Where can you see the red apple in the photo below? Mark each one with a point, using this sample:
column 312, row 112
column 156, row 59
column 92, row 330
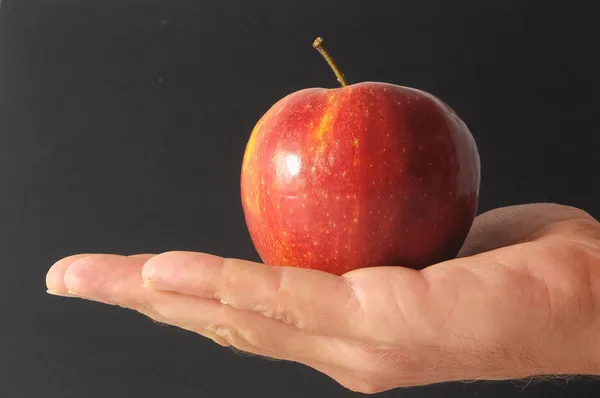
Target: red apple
column 369, row 174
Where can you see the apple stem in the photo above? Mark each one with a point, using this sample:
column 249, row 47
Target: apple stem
column 318, row 45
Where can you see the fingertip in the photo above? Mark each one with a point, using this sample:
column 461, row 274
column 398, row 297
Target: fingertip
column 56, row 274
column 75, row 274
column 89, row 272
column 149, row 270
column 160, row 267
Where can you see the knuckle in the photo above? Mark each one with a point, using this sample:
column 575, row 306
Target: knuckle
column 281, row 313
column 214, row 337
column 263, row 309
column 208, row 333
column 289, row 316
column 233, row 337
column 573, row 281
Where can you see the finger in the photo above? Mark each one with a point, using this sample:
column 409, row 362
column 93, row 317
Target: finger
column 310, row 300
column 117, row 279
column 56, row 286
column 55, row 275
column 160, row 319
column 510, row 225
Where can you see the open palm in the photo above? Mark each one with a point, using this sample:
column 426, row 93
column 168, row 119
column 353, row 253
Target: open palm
column 521, row 299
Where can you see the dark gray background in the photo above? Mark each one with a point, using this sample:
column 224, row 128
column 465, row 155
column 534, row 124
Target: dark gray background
column 123, row 124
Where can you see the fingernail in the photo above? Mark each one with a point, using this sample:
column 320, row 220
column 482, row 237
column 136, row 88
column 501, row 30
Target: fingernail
column 223, row 331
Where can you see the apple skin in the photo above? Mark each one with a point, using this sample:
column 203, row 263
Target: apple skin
column 370, row 174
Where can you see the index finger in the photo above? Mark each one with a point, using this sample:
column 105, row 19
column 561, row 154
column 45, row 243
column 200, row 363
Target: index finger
column 311, row 300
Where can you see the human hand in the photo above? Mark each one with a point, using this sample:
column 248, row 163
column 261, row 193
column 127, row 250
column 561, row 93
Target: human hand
column 522, row 299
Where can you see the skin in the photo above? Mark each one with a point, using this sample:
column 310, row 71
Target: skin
column 522, row 299
column 365, row 175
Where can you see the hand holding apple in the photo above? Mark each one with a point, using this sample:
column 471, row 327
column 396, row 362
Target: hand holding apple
column 364, row 175
column 520, row 304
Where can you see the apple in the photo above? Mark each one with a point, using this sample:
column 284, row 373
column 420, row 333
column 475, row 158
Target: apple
column 368, row 174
